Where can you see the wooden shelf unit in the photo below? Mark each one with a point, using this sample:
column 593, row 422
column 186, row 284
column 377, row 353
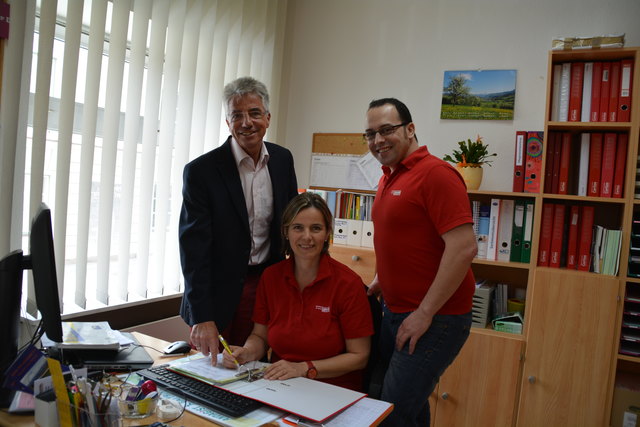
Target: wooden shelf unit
column 572, row 318
column 573, row 325
column 562, row 369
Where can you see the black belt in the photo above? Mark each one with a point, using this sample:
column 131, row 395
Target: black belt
column 256, row 269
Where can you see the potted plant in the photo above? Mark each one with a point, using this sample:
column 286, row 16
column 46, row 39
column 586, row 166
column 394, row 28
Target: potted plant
column 469, row 160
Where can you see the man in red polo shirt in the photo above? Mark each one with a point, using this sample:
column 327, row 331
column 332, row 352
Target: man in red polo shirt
column 424, row 246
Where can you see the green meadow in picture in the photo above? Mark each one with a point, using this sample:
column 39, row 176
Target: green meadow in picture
column 478, row 95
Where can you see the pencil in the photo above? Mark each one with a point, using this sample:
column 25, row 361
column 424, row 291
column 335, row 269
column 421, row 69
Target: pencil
column 226, row 347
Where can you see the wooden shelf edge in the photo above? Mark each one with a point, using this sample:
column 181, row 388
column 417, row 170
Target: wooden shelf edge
column 611, row 126
column 503, row 193
column 581, row 273
column 490, row 332
column 599, row 54
column 520, row 265
column 628, row 358
column 586, row 199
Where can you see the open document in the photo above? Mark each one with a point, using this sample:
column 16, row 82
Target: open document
column 311, row 399
column 199, row 367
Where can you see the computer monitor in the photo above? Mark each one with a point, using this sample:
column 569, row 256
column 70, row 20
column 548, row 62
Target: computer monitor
column 10, row 295
column 45, row 280
column 41, row 261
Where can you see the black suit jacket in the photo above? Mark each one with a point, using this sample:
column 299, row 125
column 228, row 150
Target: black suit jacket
column 215, row 241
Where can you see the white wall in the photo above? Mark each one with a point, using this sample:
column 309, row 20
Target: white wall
column 341, row 54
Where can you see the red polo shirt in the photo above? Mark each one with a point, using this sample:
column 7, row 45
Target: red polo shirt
column 422, row 199
column 313, row 324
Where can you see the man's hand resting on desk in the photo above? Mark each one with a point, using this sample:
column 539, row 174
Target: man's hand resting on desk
column 204, row 336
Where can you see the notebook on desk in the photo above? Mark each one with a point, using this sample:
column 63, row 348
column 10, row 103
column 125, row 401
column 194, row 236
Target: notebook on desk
column 132, row 357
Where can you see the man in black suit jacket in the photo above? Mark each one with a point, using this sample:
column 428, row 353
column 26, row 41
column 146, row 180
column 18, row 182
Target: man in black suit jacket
column 233, row 199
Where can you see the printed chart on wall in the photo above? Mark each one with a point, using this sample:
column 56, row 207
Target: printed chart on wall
column 345, row 171
column 343, row 161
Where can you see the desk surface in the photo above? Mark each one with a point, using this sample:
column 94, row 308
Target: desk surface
column 187, row 419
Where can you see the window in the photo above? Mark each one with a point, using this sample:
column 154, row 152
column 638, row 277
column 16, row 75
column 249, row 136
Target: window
column 121, row 96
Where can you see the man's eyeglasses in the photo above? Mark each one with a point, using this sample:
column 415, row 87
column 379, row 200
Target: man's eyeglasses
column 386, row 130
column 253, row 115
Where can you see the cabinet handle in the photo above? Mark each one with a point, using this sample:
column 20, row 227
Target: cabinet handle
column 532, row 379
column 445, row 395
column 355, row 258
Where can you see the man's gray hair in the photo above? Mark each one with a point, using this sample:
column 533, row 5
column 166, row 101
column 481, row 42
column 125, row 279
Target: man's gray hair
column 245, row 86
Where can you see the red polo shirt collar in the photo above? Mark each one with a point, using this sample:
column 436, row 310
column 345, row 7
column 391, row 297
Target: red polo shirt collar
column 324, row 270
column 409, row 161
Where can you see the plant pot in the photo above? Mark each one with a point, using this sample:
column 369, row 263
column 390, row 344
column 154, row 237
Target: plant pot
column 472, row 176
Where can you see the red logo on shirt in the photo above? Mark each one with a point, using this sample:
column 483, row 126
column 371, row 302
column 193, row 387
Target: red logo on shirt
column 323, row 309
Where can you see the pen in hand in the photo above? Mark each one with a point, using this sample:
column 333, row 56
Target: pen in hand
column 226, row 347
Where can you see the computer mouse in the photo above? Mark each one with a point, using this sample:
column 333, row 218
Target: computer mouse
column 177, row 347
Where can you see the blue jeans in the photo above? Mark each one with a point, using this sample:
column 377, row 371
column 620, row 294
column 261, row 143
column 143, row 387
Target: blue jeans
column 411, row 378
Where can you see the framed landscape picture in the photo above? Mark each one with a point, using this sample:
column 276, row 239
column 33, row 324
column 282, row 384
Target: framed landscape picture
column 478, row 95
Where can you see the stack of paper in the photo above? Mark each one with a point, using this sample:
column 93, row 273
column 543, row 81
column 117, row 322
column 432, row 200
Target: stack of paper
column 85, row 336
column 482, row 304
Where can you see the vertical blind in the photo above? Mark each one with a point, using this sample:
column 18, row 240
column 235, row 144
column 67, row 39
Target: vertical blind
column 103, row 104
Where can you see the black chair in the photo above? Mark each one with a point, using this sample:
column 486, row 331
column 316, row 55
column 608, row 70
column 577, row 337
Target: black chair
column 374, row 371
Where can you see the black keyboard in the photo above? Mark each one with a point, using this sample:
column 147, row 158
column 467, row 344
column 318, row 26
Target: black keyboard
column 216, row 398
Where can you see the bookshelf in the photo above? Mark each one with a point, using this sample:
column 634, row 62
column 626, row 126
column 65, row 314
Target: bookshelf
column 562, row 368
column 573, row 322
column 574, row 318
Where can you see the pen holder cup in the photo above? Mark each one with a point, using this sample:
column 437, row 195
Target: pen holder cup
column 111, row 418
column 140, row 408
column 84, row 418
column 46, row 414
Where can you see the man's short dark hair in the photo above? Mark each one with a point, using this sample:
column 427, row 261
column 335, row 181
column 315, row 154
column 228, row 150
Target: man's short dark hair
column 401, row 108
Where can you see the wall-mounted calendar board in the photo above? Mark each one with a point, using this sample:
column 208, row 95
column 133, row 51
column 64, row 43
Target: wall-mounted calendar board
column 342, row 161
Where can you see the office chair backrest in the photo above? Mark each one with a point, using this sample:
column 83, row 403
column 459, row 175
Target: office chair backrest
column 374, row 371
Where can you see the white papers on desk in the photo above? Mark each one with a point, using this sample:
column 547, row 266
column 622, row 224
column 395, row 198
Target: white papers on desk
column 364, row 412
column 345, row 171
column 85, row 336
column 255, row 418
column 310, row 399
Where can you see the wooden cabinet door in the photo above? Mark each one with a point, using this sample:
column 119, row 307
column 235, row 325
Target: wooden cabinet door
column 570, row 346
column 480, row 387
column 361, row 260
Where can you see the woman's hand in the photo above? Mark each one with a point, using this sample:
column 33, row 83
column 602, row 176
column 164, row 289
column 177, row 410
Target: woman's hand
column 240, row 354
column 282, row 370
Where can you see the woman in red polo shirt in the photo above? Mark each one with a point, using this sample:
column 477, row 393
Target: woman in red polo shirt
column 311, row 310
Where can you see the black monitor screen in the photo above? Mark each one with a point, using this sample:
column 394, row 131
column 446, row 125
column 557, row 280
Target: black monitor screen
column 42, row 262
column 43, row 265
column 10, row 293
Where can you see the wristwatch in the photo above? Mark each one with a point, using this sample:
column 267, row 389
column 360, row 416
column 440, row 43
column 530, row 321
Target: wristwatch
column 312, row 372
